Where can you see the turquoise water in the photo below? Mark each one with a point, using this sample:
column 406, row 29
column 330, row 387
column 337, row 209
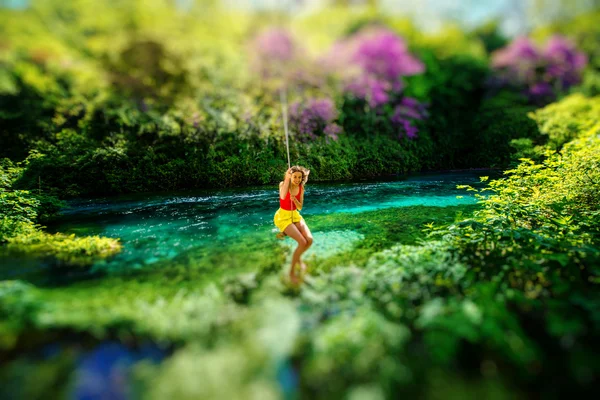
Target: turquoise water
column 207, row 231
column 159, row 227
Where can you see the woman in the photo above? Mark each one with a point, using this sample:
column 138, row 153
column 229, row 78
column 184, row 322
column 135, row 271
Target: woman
column 288, row 219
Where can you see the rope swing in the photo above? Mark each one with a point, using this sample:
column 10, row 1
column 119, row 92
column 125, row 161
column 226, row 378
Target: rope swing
column 283, row 100
column 283, row 93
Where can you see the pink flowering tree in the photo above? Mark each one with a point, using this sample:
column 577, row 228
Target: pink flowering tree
column 315, row 117
column 286, row 69
column 541, row 73
column 273, row 52
column 406, row 112
column 280, row 60
column 373, row 64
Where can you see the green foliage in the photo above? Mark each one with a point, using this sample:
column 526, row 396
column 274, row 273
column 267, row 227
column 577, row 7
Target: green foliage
column 18, row 208
column 542, row 218
column 19, row 305
column 22, row 210
column 451, row 41
column 243, row 362
column 195, row 372
column 74, row 166
column 66, row 249
column 383, row 229
column 536, row 238
column 501, row 125
column 38, row 378
column 452, row 87
column 490, row 36
column 148, row 101
column 349, row 349
column 563, row 121
column 508, row 294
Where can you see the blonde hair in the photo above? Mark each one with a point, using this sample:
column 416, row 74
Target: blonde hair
column 298, row 168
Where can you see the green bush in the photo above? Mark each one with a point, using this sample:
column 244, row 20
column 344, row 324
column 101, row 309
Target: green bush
column 536, row 240
column 20, row 213
column 19, row 305
column 564, row 121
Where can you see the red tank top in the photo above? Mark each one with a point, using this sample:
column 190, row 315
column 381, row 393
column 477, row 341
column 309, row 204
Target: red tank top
column 287, row 202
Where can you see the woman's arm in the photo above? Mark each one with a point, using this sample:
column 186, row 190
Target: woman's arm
column 299, row 203
column 285, row 185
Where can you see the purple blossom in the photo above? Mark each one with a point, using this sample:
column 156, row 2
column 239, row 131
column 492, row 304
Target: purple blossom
column 336, row 58
column 378, row 59
column 281, row 61
column 275, row 45
column 540, row 92
column 410, row 102
column 411, row 108
column 383, row 54
column 405, row 113
column 406, row 128
column 378, row 95
column 561, row 51
column 362, row 86
column 521, row 50
column 564, row 62
column 373, row 62
column 274, row 52
column 539, row 73
column 322, row 108
column 332, row 130
column 409, row 130
column 294, row 110
column 518, row 61
column 367, row 87
column 317, row 115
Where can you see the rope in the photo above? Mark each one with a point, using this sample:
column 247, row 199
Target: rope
column 284, row 107
column 283, row 100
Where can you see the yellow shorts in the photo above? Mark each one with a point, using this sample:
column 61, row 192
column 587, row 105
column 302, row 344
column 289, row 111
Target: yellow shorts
column 283, row 218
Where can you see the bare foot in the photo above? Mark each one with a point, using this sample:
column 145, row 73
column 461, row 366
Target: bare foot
column 303, row 268
column 294, row 279
column 296, row 273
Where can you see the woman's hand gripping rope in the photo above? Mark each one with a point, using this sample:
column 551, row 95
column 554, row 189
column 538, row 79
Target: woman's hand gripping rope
column 296, row 202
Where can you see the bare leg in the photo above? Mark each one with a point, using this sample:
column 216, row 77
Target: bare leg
column 293, row 232
column 303, row 228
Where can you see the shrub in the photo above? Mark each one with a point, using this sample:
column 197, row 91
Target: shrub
column 541, row 74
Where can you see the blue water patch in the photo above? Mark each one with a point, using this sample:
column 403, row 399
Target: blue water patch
column 287, row 377
column 105, row 371
column 434, row 201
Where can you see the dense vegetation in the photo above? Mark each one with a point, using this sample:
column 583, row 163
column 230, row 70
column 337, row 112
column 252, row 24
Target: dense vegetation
column 501, row 302
column 21, row 211
column 153, row 108
column 498, row 300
